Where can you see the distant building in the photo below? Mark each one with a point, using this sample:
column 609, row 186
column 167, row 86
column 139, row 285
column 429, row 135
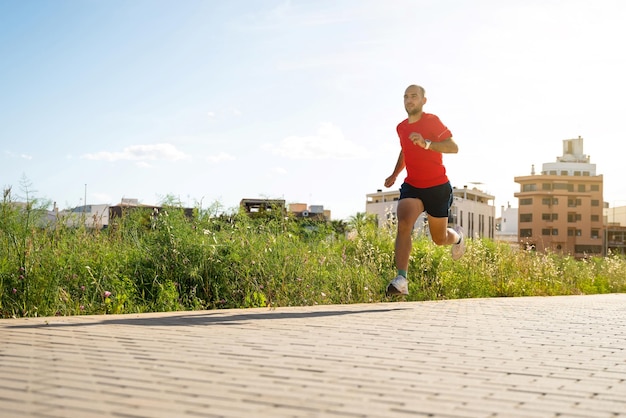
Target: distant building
column 615, row 242
column 615, row 215
column 313, row 212
column 99, row 216
column 561, row 209
column 506, row 225
column 260, row 207
column 383, row 205
column 256, row 207
column 43, row 217
column 92, row 216
column 472, row 209
column 615, row 221
column 128, row 205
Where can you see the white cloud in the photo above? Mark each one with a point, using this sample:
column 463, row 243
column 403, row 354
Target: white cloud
column 219, row 157
column 14, row 155
column 152, row 152
column 328, row 143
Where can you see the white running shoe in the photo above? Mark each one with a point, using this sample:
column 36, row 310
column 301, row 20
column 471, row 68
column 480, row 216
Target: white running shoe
column 458, row 250
column 398, row 286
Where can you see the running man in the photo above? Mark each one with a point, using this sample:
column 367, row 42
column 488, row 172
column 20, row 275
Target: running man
column 423, row 140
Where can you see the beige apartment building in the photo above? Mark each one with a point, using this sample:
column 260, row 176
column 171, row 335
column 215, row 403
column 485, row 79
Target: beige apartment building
column 561, row 209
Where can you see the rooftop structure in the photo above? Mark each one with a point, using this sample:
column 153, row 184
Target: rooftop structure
column 560, row 210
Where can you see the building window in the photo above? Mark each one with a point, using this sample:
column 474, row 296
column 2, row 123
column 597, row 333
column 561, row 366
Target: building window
column 595, row 233
column 525, row 233
column 573, row 232
column 577, row 173
column 481, row 225
column 573, row 217
column 526, row 217
column 549, row 216
column 581, row 188
column 546, row 186
column 595, row 218
column 549, row 201
column 595, row 188
column 588, row 249
column 545, row 231
column 526, row 201
column 563, row 186
column 595, row 202
column 572, row 203
column 529, row 187
column 82, row 209
column 555, row 231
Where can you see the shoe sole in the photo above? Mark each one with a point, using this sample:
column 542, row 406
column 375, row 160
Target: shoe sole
column 393, row 291
column 459, row 230
column 456, row 257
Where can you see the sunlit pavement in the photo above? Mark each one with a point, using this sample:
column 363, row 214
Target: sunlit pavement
column 508, row 357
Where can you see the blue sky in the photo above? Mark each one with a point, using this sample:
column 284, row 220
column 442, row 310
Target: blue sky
column 215, row 101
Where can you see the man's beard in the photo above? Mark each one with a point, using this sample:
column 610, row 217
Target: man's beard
column 415, row 110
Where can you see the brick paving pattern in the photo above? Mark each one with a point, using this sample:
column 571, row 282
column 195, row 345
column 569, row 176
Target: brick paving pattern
column 509, row 357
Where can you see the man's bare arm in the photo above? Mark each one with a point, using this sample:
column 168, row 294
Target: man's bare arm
column 447, row 146
column 389, row 181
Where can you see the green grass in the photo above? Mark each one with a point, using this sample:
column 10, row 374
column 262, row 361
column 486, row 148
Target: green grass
column 147, row 262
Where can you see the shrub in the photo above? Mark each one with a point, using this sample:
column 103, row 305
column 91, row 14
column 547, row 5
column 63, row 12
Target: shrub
column 166, row 260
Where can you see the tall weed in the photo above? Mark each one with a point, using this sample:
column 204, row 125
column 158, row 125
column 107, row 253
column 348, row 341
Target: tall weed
column 166, row 260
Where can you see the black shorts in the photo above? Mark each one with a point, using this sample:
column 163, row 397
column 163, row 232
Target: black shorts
column 437, row 200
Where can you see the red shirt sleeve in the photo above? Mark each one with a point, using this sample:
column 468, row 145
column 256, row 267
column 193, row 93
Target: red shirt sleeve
column 439, row 131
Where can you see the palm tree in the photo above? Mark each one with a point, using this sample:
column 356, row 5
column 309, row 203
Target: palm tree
column 360, row 221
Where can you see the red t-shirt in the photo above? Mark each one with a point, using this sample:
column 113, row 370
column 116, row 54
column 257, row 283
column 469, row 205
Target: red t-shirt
column 424, row 168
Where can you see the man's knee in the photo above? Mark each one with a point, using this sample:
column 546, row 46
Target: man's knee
column 439, row 234
column 405, row 227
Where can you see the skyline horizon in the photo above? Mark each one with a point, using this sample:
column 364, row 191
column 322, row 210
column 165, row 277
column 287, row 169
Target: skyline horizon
column 295, row 202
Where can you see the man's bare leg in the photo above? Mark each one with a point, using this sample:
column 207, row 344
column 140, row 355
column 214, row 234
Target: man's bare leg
column 409, row 210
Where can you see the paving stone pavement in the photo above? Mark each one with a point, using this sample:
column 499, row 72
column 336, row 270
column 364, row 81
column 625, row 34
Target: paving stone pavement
column 508, row 357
